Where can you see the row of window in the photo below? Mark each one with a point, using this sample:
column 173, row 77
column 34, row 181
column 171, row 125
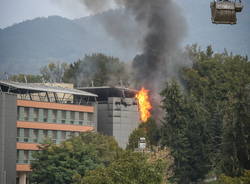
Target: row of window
column 53, row 116
column 24, row 156
column 37, row 136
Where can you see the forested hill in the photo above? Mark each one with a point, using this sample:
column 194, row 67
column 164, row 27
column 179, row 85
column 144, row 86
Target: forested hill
column 27, row 46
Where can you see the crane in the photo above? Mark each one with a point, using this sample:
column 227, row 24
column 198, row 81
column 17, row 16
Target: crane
column 224, row 11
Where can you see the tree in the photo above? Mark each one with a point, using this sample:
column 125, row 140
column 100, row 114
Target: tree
column 97, row 69
column 236, row 135
column 26, row 78
column 213, row 79
column 73, row 158
column 129, row 168
column 244, row 179
column 54, row 72
column 183, row 131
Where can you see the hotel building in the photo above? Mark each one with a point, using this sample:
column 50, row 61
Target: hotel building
column 30, row 113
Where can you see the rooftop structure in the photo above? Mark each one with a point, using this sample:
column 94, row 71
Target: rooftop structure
column 46, row 93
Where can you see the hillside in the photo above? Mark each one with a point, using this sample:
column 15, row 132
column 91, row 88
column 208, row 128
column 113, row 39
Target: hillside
column 26, row 46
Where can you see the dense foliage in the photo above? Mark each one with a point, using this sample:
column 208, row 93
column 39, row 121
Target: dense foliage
column 73, row 158
column 129, row 168
column 92, row 158
column 207, row 124
column 184, row 132
column 97, row 69
column 244, row 179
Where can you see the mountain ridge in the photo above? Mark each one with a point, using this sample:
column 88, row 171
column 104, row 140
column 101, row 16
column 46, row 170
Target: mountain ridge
column 28, row 45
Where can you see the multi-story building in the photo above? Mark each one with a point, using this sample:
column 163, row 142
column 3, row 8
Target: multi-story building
column 118, row 113
column 38, row 112
column 7, row 138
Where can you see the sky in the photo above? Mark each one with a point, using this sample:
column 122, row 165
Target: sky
column 16, row 11
column 196, row 12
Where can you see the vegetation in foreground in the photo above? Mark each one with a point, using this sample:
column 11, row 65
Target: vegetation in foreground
column 93, row 158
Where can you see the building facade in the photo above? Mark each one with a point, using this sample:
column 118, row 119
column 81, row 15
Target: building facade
column 42, row 112
column 7, row 138
column 118, row 113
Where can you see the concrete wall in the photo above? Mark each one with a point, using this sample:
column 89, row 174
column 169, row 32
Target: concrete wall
column 118, row 117
column 8, row 118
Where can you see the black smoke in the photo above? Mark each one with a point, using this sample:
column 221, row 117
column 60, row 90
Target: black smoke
column 159, row 30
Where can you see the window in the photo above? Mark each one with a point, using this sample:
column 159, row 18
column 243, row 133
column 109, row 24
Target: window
column 26, row 113
column 54, row 115
column 80, row 123
column 36, row 112
column 26, row 135
column 26, row 156
column 45, row 115
column 90, row 117
column 63, row 135
column 72, row 115
column 45, row 133
column 17, row 156
column 81, row 116
column 54, row 134
column 64, row 115
column 18, row 113
column 18, row 132
column 35, row 132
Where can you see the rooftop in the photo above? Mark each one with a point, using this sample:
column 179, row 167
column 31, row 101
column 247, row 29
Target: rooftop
column 104, row 92
column 24, row 88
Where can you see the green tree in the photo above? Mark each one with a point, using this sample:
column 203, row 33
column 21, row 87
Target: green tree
column 129, row 168
column 244, row 179
column 68, row 161
column 54, row 72
column 236, row 135
column 212, row 79
column 27, row 78
column 183, row 131
column 98, row 69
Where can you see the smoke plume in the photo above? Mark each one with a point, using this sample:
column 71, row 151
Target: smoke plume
column 159, row 30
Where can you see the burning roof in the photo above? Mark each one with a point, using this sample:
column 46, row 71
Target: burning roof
column 104, row 92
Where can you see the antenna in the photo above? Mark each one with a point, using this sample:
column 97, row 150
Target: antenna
column 25, row 79
column 6, row 75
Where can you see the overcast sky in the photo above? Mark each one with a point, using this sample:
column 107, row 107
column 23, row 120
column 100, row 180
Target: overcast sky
column 197, row 14
column 15, row 11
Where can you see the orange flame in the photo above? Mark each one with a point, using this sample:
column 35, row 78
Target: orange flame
column 144, row 104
